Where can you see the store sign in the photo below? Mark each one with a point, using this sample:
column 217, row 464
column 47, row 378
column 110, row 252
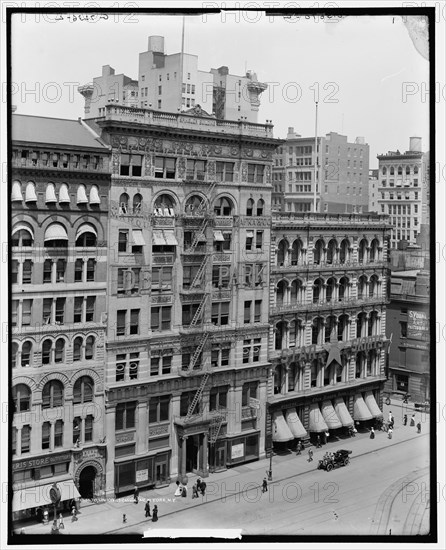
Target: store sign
column 417, row 325
column 238, row 451
column 39, row 462
column 142, row 475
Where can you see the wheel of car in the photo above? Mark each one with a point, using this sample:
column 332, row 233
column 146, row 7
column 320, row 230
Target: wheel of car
column 346, row 461
column 329, row 467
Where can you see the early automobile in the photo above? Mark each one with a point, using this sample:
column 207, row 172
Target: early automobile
column 331, row 460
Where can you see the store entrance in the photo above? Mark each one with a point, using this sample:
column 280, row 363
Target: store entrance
column 192, row 451
column 87, row 481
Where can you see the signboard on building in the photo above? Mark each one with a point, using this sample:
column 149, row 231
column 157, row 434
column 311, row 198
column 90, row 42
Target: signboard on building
column 238, row 451
column 418, row 325
column 142, row 475
column 41, row 461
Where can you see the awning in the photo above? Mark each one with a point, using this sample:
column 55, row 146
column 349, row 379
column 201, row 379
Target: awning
column 360, row 410
column 218, row 236
column 30, row 193
column 330, row 416
column 342, row 412
column 158, row 238
column 63, row 194
column 86, row 228
column 170, row 238
column 94, row 195
column 317, row 423
column 250, row 233
column 138, row 239
column 50, row 193
column 20, row 227
column 56, row 232
column 281, row 432
column 372, row 405
column 16, row 191
column 81, row 195
column 39, row 495
column 294, row 424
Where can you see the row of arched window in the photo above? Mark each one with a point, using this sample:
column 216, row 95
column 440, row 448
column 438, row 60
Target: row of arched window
column 330, row 290
column 53, row 394
column 53, row 351
column 399, row 170
column 56, row 193
column 55, row 235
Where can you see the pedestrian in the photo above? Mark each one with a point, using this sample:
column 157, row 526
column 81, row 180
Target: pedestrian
column 194, row 490
column 73, row 514
column 389, row 433
column 392, row 421
column 199, row 485
column 136, row 495
column 419, row 427
column 54, row 528
column 327, row 435
column 372, row 433
column 318, row 441
column 390, row 417
column 310, row 455
column 405, row 420
column 147, row 509
column 412, row 420
column 61, row 523
column 299, row 448
column 155, row 513
column 124, row 518
column 264, row 485
column 184, row 491
column 203, row 487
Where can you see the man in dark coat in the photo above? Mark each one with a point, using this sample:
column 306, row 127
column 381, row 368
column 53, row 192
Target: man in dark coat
column 203, row 487
column 147, row 509
column 136, row 495
column 155, row 513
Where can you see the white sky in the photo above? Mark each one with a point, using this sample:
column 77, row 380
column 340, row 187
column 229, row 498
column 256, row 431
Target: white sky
column 368, row 60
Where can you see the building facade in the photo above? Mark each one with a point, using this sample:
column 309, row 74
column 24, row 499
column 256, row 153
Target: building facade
column 403, row 191
column 173, row 83
column 59, row 207
column 187, row 337
column 409, row 328
column 328, row 289
column 373, row 190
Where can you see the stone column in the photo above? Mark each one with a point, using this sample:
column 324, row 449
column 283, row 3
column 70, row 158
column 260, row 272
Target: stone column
column 175, row 442
column 205, row 464
column 182, row 468
column 142, row 436
column 52, row 429
column 110, row 415
column 18, row 450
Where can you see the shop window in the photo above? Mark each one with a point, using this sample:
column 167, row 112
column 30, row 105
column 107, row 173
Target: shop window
column 402, row 382
column 24, row 475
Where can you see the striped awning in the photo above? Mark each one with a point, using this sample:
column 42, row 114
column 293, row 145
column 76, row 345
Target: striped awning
column 342, row 412
column 360, row 409
column 372, row 405
column 330, row 416
column 281, row 432
column 317, row 423
column 39, row 495
column 294, row 423
column 55, row 232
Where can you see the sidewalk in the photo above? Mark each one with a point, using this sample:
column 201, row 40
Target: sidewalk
column 105, row 517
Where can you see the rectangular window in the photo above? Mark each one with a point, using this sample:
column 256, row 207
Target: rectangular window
column 60, row 310
column 123, row 239
column 27, row 272
column 131, row 165
column 247, row 312
column 14, row 312
column 26, row 439
column 26, row 312
column 196, row 169
column 120, row 322
column 160, row 318
column 88, row 428
column 134, row 321
column 225, row 171
column 58, row 433
column 162, row 279
column 46, row 312
column 78, row 303
column 220, row 276
column 159, row 409
column 165, row 167
column 91, row 268
column 78, row 272
column 259, row 240
column 125, row 415
column 218, row 398
column 220, row 313
column 89, row 310
column 188, row 313
column 257, row 311
column 255, row 173
column 121, row 362
column 220, row 354
column 46, row 433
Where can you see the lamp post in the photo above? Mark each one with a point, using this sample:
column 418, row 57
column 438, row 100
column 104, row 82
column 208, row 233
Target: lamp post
column 270, row 471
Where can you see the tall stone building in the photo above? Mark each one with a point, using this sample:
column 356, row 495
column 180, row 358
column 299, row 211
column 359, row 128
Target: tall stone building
column 189, row 250
column 59, row 234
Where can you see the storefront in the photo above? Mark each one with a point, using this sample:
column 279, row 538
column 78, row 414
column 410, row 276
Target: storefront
column 243, row 448
column 89, row 471
column 147, row 472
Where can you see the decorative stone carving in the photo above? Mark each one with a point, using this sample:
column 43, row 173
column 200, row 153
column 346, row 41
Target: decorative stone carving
column 158, row 430
column 244, row 170
column 123, row 438
column 181, row 167
column 268, row 174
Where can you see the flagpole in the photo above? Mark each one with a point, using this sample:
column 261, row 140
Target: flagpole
column 181, row 64
column 315, row 163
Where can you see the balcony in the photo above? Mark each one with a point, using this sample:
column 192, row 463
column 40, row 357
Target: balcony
column 121, row 113
column 339, row 304
column 39, row 164
column 316, row 218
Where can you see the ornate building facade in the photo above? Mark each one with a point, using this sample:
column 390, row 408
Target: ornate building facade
column 187, row 343
column 59, row 227
column 328, row 290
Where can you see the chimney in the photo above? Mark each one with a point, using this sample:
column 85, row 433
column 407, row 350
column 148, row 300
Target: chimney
column 156, row 44
column 415, row 144
column 107, row 70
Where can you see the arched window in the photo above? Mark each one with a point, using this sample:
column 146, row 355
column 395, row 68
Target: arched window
column 330, row 327
column 362, row 286
column 362, row 251
column 165, row 205
column 384, row 170
column 297, row 252
column 27, row 348
column 30, row 192
column 280, row 292
column 137, row 203
column 81, row 195
column 392, row 170
column 317, row 291
column 52, row 394
column 14, row 354
column 124, row 203
column 415, row 170
column 260, row 207
column 86, row 235
column 83, row 390
column 16, row 195
column 89, row 348
column 94, row 196
column 316, row 331
column 318, row 252
column 344, row 251
column 373, row 286
column 250, row 207
column 282, row 252
column 46, row 352
column 297, row 292
column 374, row 250
column 22, row 235
column 342, row 328
column 361, row 320
column 77, row 348
column 407, row 170
column 330, row 289
column 56, row 236
column 223, row 207
column 278, row 377
column 400, row 170
column 194, row 205
column 21, row 395
column 332, row 251
column 293, row 371
column 59, row 352
column 343, row 289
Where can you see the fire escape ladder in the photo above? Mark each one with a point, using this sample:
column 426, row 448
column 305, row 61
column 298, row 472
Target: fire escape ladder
column 200, row 273
column 199, row 311
column 197, row 397
column 214, row 428
column 198, row 351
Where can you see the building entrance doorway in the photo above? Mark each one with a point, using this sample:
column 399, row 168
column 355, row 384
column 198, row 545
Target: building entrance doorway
column 87, row 482
column 192, row 451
